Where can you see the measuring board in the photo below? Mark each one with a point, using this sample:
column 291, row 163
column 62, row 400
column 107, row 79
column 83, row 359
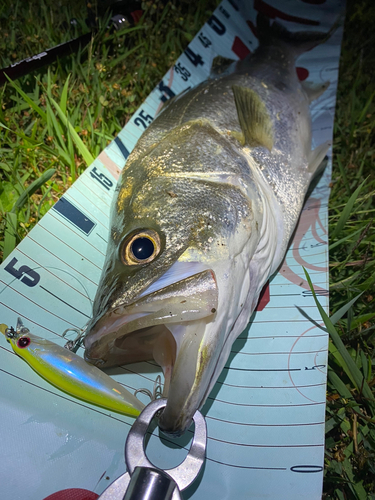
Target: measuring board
column 265, row 415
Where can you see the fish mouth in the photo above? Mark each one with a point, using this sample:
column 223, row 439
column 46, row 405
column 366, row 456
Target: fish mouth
column 166, row 325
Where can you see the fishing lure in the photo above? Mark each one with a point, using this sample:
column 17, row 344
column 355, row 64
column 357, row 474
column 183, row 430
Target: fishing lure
column 70, row 373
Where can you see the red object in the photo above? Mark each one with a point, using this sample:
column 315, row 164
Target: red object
column 271, row 12
column 136, row 15
column 239, row 48
column 264, row 297
column 73, row 494
column 302, row 73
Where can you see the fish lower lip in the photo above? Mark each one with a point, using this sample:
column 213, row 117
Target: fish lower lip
column 176, row 348
column 167, row 326
column 159, row 343
column 190, row 299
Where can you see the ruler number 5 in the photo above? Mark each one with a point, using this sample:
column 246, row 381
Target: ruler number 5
column 27, row 275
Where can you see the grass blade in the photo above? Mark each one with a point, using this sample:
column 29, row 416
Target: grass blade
column 64, row 96
column 341, row 362
column 116, row 61
column 31, row 103
column 57, row 130
column 339, row 385
column 346, row 212
column 356, row 374
column 340, row 495
column 86, row 155
column 349, row 236
column 34, row 186
column 340, row 313
column 365, row 108
column 10, row 234
column 345, row 283
column 311, row 319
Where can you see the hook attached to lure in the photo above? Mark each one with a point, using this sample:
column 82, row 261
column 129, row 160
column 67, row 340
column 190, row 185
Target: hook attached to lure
column 75, row 344
column 70, row 373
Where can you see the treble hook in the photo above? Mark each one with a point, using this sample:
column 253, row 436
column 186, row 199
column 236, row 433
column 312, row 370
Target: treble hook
column 76, row 343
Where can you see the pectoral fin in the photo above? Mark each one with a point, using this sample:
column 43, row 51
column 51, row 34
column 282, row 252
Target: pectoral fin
column 316, row 158
column 313, row 91
column 254, row 118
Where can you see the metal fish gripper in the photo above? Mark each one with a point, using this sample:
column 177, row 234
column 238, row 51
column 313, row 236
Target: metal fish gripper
column 145, row 481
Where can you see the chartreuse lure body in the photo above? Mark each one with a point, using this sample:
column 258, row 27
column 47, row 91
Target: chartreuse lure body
column 70, row 373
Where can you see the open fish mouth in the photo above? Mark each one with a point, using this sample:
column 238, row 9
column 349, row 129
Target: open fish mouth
column 166, row 325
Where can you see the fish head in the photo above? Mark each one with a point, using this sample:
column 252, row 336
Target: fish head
column 179, row 227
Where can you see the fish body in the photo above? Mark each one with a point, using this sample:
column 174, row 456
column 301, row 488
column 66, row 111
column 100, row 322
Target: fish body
column 202, row 217
column 72, row 374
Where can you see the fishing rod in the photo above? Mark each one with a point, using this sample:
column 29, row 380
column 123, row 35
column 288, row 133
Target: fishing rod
column 122, row 13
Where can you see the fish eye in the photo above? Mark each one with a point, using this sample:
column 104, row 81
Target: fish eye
column 23, row 342
column 141, row 247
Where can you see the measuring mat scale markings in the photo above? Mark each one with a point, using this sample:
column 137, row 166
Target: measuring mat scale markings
column 265, row 415
column 70, row 212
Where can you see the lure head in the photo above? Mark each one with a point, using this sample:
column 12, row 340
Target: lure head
column 19, row 338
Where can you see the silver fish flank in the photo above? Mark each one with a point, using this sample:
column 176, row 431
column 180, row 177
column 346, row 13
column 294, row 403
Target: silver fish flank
column 202, row 217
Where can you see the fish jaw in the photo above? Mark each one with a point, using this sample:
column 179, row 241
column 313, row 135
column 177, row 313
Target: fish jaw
column 147, row 329
column 191, row 353
column 205, row 345
column 192, row 375
column 187, row 351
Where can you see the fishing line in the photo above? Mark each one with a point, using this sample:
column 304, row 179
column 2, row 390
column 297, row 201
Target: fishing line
column 86, row 293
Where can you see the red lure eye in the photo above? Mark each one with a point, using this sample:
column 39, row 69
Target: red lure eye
column 23, row 342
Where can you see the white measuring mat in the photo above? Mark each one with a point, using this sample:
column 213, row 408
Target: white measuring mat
column 265, row 415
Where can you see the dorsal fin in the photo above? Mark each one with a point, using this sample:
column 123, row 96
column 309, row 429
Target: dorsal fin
column 313, row 91
column 316, row 158
column 254, row 118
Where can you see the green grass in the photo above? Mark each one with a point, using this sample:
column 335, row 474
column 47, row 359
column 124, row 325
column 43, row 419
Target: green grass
column 350, row 429
column 41, row 129
column 55, row 121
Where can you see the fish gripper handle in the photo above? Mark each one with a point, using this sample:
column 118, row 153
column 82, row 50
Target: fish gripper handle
column 151, row 484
